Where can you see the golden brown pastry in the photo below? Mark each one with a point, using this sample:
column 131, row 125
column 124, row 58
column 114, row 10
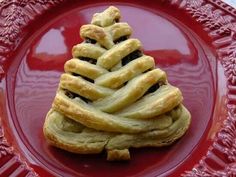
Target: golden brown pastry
column 111, row 97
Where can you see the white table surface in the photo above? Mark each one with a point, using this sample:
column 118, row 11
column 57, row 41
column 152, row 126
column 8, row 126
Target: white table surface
column 231, row 2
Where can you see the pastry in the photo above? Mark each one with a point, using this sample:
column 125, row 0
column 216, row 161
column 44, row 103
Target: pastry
column 111, row 97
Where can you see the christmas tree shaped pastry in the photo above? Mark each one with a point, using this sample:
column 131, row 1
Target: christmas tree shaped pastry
column 111, row 97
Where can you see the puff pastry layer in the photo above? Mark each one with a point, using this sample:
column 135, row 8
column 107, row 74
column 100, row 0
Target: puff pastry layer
column 111, row 97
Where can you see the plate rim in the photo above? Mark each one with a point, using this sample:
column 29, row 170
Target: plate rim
column 217, row 19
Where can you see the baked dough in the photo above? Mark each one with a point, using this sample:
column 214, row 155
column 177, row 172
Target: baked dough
column 111, row 97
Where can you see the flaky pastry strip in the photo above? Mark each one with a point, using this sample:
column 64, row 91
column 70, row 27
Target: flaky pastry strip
column 155, row 138
column 116, row 78
column 153, row 104
column 113, row 56
column 107, row 17
column 97, row 33
column 84, row 68
column 131, row 92
column 84, row 88
column 91, row 117
column 87, row 50
column 119, row 30
column 85, row 141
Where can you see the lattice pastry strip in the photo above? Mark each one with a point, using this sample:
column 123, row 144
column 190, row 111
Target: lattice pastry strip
column 111, row 96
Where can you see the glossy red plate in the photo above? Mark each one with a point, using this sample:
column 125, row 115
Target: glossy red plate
column 193, row 40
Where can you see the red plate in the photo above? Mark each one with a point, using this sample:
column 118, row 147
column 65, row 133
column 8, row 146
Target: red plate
column 193, row 40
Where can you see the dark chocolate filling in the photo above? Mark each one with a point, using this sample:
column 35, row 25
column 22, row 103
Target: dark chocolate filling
column 122, row 38
column 147, row 70
column 103, row 46
column 131, row 56
column 90, row 60
column 90, row 41
column 153, row 88
column 85, row 78
column 73, row 95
